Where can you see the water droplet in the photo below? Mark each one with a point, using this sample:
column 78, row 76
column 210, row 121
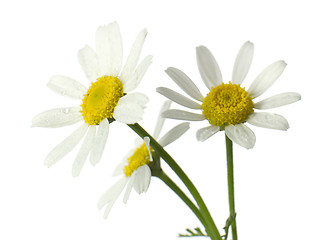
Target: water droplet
column 65, row 110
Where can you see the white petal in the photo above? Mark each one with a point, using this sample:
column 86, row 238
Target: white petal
column 133, row 57
column 174, row 134
column 65, row 146
column 266, row 78
column 139, row 73
column 89, row 62
column 241, row 135
column 208, row 67
column 129, row 188
column 185, row 83
column 278, row 100
column 67, row 87
column 109, row 49
column 109, row 207
column 130, row 108
column 161, row 120
column 182, row 115
column 142, row 179
column 178, row 98
column 84, row 151
column 58, row 117
column 147, row 142
column 119, row 169
column 99, row 142
column 207, row 132
column 112, row 193
column 268, row 120
column 242, row 63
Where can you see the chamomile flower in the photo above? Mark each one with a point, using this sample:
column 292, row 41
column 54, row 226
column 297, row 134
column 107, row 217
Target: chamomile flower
column 134, row 169
column 107, row 99
column 228, row 106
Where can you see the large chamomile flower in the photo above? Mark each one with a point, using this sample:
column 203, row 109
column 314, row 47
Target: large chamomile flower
column 228, row 106
column 107, row 99
column 134, row 169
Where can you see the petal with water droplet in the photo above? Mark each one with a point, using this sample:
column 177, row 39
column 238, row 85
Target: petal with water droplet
column 241, row 135
column 58, row 117
column 67, row 87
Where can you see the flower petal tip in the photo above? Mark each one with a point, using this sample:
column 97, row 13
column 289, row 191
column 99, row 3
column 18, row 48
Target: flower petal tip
column 199, row 139
column 200, row 47
column 47, row 163
column 145, row 31
column 286, row 127
column 299, row 97
column 250, row 147
column 93, row 163
column 168, row 69
column 283, row 63
column 250, row 43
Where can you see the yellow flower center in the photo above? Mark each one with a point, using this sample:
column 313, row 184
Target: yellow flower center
column 139, row 158
column 227, row 104
column 101, row 99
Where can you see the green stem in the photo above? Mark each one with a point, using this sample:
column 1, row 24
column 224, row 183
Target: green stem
column 164, row 177
column 230, row 180
column 211, row 227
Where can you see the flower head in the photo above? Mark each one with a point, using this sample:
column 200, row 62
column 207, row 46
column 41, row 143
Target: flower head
column 134, row 169
column 228, row 106
column 107, row 99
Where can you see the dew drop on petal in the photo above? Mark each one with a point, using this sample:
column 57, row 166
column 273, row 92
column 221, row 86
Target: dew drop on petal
column 65, row 110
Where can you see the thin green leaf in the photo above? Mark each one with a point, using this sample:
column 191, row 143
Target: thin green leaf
column 188, row 230
column 199, row 231
column 196, row 233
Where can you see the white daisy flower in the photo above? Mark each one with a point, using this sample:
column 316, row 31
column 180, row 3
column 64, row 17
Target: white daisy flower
column 135, row 169
column 228, row 106
column 107, row 98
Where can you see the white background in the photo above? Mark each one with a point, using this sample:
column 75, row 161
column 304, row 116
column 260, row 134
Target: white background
column 276, row 182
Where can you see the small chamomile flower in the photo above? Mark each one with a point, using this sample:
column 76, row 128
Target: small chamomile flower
column 134, row 169
column 107, row 99
column 228, row 106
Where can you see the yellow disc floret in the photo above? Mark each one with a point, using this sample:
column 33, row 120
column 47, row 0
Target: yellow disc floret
column 101, row 99
column 227, row 104
column 139, row 158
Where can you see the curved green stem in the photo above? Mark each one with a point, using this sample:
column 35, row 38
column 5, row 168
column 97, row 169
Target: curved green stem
column 164, row 177
column 211, row 227
column 230, row 180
